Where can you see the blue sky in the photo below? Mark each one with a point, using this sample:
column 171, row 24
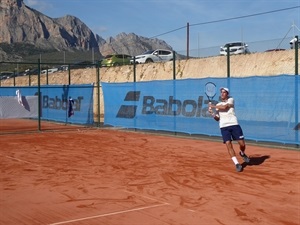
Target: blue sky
column 151, row 18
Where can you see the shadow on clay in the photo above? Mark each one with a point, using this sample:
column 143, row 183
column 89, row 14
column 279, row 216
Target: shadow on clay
column 256, row 160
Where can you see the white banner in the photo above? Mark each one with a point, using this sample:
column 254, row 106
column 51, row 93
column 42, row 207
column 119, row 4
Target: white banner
column 14, row 107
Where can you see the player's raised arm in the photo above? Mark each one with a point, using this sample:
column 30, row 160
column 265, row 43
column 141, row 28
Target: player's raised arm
column 214, row 115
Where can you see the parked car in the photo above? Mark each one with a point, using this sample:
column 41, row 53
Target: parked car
column 53, row 70
column 116, row 60
column 235, row 48
column 6, row 75
column 32, row 72
column 159, row 55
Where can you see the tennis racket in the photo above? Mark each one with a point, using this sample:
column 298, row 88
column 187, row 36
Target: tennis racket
column 210, row 90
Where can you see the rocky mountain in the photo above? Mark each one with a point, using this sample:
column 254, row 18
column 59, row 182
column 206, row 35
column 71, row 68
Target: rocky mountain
column 131, row 44
column 21, row 25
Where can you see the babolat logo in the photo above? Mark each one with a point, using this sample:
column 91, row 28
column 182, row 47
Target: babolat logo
column 61, row 103
column 129, row 111
column 164, row 107
column 171, row 106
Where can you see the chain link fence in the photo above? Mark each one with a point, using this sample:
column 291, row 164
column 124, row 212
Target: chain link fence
column 58, row 84
column 254, row 47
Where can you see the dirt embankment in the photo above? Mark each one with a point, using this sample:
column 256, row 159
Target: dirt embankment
column 259, row 64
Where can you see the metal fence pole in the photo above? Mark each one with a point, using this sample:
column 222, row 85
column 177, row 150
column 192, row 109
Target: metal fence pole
column 174, row 65
column 14, row 78
column 174, row 91
column 228, row 62
column 228, row 67
column 134, row 70
column 98, row 91
column 296, row 87
column 296, row 55
column 47, row 77
column 39, row 95
column 29, row 80
column 134, row 83
column 69, row 75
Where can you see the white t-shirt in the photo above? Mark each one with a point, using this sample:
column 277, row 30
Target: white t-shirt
column 227, row 116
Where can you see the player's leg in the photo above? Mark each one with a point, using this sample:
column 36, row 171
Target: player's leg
column 232, row 154
column 226, row 134
column 242, row 145
column 238, row 135
column 230, row 149
column 242, row 151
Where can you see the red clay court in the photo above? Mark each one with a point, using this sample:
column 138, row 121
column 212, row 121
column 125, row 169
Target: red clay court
column 113, row 177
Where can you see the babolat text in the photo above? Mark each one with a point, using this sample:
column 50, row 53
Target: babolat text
column 171, row 106
column 61, row 103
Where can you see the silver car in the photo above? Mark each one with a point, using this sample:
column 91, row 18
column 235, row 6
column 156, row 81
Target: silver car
column 235, row 48
column 159, row 55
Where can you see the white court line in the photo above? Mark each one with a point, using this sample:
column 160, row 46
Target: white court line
column 153, row 199
column 20, row 160
column 109, row 214
column 24, row 161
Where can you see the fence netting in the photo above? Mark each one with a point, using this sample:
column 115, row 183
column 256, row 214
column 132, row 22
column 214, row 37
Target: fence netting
column 267, row 107
column 26, row 108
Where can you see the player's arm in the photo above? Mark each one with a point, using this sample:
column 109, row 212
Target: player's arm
column 214, row 115
column 226, row 106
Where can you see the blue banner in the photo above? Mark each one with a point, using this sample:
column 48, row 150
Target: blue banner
column 62, row 103
column 267, row 107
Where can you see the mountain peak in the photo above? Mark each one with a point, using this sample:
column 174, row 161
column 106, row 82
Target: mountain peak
column 22, row 24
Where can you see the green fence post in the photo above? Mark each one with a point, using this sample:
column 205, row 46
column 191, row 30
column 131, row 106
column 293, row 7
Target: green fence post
column 134, row 69
column 296, row 55
column 228, row 67
column 14, row 78
column 296, row 87
column 174, row 65
column 29, row 80
column 47, row 77
column 98, row 91
column 69, row 74
column 134, row 81
column 39, row 95
column 228, row 62
column 174, row 90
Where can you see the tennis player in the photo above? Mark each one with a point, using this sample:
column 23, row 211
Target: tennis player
column 230, row 128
